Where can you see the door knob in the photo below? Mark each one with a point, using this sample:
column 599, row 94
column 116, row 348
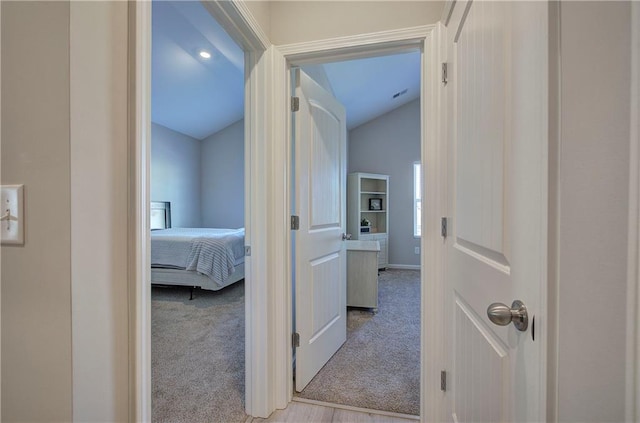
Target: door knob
column 502, row 315
column 346, row 237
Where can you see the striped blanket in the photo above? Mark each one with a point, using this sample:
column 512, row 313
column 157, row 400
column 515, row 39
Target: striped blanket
column 212, row 252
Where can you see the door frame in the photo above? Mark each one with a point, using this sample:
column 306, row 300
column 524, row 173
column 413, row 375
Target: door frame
column 237, row 20
column 433, row 154
column 632, row 400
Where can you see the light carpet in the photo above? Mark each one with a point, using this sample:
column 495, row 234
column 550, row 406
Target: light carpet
column 378, row 367
column 197, row 355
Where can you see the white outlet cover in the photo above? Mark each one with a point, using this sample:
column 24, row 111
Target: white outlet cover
column 12, row 224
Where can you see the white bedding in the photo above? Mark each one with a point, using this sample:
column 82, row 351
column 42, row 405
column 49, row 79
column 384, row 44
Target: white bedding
column 212, row 252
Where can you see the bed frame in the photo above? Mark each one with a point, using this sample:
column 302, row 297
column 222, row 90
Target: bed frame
column 161, row 219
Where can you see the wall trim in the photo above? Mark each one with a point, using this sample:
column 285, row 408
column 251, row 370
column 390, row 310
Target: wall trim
column 404, row 266
column 242, row 27
column 426, row 38
column 432, row 248
column 280, row 229
column 353, row 47
column 258, row 315
column 632, row 400
column 139, row 262
column 234, row 16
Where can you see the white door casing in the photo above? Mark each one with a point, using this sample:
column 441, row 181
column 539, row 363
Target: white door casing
column 320, row 197
column 496, row 250
column 236, row 19
column 428, row 39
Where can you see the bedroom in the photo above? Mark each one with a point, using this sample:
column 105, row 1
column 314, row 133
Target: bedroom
column 194, row 166
column 378, row 365
column 196, row 217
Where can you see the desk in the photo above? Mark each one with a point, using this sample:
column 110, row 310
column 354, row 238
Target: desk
column 362, row 274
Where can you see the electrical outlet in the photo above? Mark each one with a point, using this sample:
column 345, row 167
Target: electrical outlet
column 416, row 250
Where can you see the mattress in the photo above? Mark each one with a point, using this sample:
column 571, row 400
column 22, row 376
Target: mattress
column 213, row 252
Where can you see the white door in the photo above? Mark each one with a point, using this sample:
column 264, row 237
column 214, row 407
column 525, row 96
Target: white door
column 496, row 249
column 320, row 202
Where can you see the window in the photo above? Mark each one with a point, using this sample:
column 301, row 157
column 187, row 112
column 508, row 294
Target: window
column 417, row 200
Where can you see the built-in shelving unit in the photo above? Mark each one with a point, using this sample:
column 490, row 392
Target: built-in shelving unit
column 362, row 188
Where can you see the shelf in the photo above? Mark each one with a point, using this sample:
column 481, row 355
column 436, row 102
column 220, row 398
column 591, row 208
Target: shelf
column 364, row 189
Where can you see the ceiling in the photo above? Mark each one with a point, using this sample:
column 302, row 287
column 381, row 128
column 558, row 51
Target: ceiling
column 367, row 87
column 199, row 97
column 189, row 94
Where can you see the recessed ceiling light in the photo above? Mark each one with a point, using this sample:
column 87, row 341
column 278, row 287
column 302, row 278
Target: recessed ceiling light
column 205, row 54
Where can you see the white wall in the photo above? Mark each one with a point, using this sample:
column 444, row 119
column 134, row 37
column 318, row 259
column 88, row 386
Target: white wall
column 175, row 175
column 592, row 211
column 389, row 145
column 36, row 277
column 222, row 180
column 298, row 21
column 261, row 11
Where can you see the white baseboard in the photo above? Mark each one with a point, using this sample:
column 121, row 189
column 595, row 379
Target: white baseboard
column 404, row 266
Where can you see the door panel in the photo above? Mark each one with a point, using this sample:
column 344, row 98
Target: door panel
column 480, row 182
column 324, row 165
column 325, row 281
column 320, row 201
column 497, row 174
column 488, row 363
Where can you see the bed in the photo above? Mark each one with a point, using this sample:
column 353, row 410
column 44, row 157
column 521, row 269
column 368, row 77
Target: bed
column 207, row 258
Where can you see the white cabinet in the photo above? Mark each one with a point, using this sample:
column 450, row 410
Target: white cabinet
column 367, row 202
column 362, row 274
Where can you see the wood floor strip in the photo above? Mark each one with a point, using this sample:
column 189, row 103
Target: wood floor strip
column 299, row 412
column 302, row 410
column 358, row 409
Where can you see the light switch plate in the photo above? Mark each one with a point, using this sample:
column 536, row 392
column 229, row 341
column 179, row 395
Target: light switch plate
column 12, row 214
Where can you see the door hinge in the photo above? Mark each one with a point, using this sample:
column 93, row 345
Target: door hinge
column 295, row 104
column 443, row 381
column 247, row 250
column 443, row 227
column 445, row 76
column 295, row 222
column 295, row 339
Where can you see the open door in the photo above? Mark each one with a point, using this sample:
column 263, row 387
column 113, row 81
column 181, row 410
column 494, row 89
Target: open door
column 496, row 249
column 320, row 203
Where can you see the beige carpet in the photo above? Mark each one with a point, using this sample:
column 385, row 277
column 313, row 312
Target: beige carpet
column 379, row 365
column 197, row 355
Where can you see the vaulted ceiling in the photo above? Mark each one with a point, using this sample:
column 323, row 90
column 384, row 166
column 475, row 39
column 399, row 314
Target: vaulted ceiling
column 369, row 88
column 190, row 94
column 198, row 96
